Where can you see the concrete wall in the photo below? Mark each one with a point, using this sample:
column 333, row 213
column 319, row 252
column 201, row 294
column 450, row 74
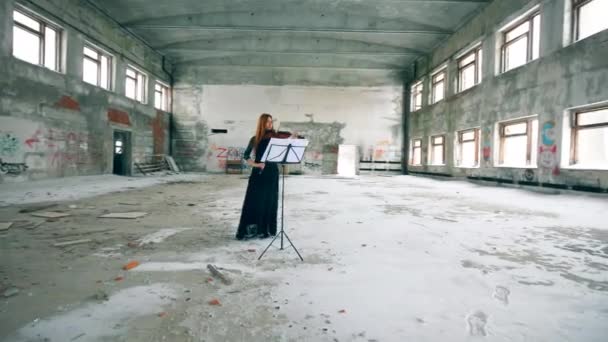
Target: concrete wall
column 566, row 75
column 369, row 117
column 56, row 124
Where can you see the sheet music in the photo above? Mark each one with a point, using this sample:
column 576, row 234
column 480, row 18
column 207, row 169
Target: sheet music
column 275, row 152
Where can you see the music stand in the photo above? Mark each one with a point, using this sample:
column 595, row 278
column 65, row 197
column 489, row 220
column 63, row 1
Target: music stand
column 283, row 152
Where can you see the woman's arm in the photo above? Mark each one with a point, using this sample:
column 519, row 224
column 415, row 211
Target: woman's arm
column 247, row 155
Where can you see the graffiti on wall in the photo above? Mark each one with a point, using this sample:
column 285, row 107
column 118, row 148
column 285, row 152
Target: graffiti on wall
column 547, row 156
column 9, row 144
column 487, row 144
column 27, row 147
column 12, row 168
column 218, row 155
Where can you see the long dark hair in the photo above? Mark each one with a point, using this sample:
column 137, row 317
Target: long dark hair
column 260, row 131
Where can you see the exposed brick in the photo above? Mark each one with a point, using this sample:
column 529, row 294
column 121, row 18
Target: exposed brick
column 69, row 103
column 158, row 132
column 118, row 116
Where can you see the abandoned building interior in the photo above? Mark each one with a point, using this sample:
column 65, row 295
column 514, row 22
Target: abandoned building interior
column 454, row 186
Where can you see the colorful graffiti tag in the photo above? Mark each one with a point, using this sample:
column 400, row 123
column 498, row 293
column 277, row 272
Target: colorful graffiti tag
column 547, row 156
column 9, row 144
column 218, row 155
column 12, row 168
column 487, row 144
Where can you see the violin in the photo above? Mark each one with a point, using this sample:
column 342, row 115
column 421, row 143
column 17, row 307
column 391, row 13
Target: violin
column 280, row 135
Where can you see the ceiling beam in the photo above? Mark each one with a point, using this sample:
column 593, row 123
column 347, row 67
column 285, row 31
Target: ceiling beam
column 298, row 52
column 282, row 29
column 251, row 66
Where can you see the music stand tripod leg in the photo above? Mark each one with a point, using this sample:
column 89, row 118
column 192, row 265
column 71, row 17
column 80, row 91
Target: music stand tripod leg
column 270, row 244
column 294, row 247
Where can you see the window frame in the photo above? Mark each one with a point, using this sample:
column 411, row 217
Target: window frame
column 502, row 137
column 42, row 41
column 414, row 147
column 477, row 51
column 576, row 128
column 529, row 18
column 443, row 71
column 432, row 148
column 101, row 53
column 415, row 94
column 476, row 139
column 576, row 7
column 144, row 85
column 166, row 98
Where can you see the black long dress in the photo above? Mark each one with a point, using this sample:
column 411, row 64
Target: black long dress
column 259, row 214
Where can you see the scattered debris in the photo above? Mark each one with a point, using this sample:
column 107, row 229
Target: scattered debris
column 51, row 214
column 101, row 295
column 129, row 215
column 130, row 265
column 443, row 219
column 218, row 274
column 132, row 244
column 5, row 225
column 215, row 301
column 191, row 204
column 251, row 250
column 342, row 311
column 363, row 245
column 128, row 203
column 11, row 291
column 36, row 208
column 73, row 242
column 162, row 314
column 119, row 278
column 172, row 165
column 77, row 337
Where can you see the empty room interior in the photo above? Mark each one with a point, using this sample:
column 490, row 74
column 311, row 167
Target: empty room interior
column 303, row 170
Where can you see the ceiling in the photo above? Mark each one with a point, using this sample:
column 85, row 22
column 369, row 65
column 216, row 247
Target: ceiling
column 359, row 35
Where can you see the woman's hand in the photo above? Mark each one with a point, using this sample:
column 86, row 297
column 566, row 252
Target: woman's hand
column 260, row 166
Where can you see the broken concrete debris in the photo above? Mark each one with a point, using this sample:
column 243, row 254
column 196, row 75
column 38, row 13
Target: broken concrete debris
column 101, row 295
column 128, row 215
column 51, row 214
column 70, row 243
column 216, row 273
column 11, row 291
column 5, row 225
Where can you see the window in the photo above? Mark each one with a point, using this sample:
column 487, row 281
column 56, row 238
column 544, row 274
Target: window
column 135, row 87
column 469, row 69
column 521, row 42
column 416, row 96
column 36, row 41
column 416, row 157
column 438, row 86
column 437, row 150
column 518, row 140
column 467, row 152
column 589, row 17
column 590, row 137
column 161, row 96
column 97, row 67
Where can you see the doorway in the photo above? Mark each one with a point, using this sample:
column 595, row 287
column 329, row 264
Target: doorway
column 122, row 153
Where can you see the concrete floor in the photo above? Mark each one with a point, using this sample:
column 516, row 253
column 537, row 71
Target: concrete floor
column 385, row 259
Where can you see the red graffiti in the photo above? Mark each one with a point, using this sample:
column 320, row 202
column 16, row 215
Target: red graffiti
column 486, row 153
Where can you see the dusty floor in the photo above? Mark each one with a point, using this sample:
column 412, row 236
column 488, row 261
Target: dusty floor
column 385, row 259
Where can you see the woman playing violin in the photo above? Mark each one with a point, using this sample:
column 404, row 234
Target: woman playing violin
column 259, row 214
